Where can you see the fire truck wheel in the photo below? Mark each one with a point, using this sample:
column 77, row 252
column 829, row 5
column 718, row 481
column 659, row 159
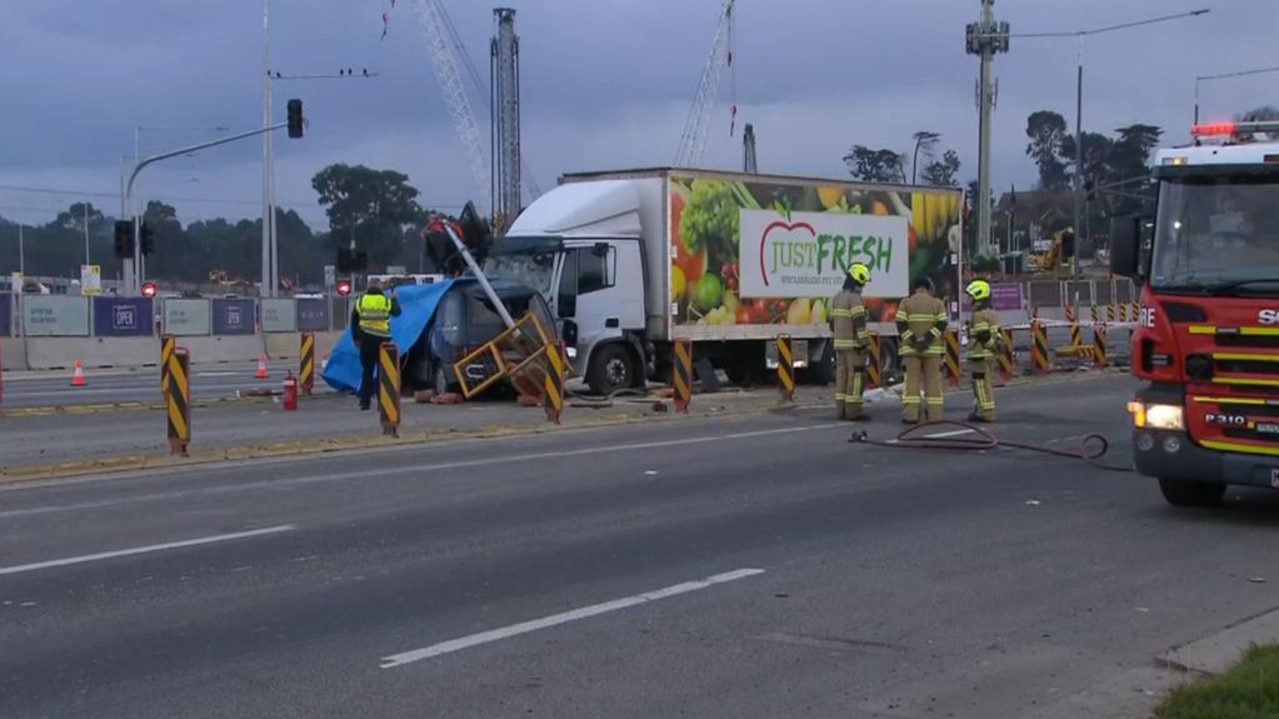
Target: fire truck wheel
column 1180, row 493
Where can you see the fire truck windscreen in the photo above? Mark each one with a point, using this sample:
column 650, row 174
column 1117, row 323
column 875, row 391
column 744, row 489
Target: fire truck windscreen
column 1215, row 232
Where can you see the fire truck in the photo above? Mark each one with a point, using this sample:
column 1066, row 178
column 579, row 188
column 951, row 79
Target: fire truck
column 1207, row 341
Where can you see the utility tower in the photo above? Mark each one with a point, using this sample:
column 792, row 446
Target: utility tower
column 985, row 39
column 748, row 149
column 505, row 111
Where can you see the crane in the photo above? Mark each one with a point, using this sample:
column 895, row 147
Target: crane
column 692, row 142
column 447, row 54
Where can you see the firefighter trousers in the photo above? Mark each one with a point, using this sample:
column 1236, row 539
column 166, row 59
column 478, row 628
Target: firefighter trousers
column 850, row 383
column 923, row 372
column 983, row 389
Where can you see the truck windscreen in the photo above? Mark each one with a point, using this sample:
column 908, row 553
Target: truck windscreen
column 535, row 269
column 1217, row 234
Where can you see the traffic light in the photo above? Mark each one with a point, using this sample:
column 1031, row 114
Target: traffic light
column 295, row 118
column 148, row 238
column 350, row 261
column 344, row 288
column 148, row 289
column 361, row 261
column 124, row 239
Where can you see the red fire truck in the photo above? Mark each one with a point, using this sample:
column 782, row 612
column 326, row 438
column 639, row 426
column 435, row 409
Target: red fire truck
column 1207, row 343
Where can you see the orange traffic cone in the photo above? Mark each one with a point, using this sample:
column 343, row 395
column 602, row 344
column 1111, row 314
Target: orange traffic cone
column 261, row 373
column 77, row 379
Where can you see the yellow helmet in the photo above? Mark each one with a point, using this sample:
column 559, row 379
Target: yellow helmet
column 860, row 273
column 978, row 290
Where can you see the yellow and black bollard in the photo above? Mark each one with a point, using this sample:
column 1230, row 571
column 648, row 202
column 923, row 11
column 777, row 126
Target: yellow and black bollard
column 388, row 388
column 553, row 385
column 306, row 374
column 1075, row 338
column 1099, row 346
column 1039, row 347
column 1005, row 354
column 682, row 375
column 1093, row 313
column 874, row 361
column 167, row 343
column 952, row 357
column 1110, row 313
column 786, row 368
column 178, row 401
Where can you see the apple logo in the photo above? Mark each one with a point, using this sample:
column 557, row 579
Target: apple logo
column 784, row 227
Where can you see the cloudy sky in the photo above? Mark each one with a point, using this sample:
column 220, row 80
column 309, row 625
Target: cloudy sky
column 606, row 84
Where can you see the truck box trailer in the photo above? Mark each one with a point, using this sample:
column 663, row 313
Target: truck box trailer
column 632, row 261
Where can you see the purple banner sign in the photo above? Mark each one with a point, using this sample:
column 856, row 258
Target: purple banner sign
column 234, row 316
column 313, row 314
column 6, row 315
column 123, row 317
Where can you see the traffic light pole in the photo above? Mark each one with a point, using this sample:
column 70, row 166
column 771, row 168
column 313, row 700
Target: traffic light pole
column 133, row 266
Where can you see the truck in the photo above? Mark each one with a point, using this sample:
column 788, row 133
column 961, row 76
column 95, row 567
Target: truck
column 1207, row 341
column 632, row 261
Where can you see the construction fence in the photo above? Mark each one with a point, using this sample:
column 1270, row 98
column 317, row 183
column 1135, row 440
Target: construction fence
column 29, row 315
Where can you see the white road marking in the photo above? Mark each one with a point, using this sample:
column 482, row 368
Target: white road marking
column 144, row 550
column 493, row 635
column 216, row 374
column 365, row 474
column 951, row 433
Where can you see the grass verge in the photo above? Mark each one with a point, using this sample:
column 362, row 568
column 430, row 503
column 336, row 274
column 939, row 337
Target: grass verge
column 1248, row 690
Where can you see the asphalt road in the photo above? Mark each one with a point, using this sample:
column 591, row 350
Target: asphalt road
column 51, row 389
column 753, row 567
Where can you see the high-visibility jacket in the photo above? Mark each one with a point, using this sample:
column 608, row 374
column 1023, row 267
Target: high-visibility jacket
column 921, row 317
column 375, row 314
column 983, row 335
column 848, row 320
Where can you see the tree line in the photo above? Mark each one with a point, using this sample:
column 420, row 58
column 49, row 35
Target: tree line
column 378, row 209
column 1111, row 168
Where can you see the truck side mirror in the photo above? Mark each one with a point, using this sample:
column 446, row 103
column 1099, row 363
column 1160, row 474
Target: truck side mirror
column 1125, row 246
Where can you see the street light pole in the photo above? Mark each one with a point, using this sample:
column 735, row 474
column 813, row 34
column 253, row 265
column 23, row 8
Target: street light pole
column 268, row 211
column 1222, row 76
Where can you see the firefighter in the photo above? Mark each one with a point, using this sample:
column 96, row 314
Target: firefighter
column 370, row 327
column 921, row 326
column 984, row 341
column 848, row 325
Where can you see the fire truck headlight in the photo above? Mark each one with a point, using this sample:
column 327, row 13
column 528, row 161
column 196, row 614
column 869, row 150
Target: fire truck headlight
column 1157, row 416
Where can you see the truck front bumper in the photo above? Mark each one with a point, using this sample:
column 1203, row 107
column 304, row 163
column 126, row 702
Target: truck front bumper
column 1173, row 455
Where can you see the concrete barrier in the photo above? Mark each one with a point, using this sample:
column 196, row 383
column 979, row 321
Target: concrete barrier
column 92, row 352
column 13, row 354
column 288, row 346
column 206, row 350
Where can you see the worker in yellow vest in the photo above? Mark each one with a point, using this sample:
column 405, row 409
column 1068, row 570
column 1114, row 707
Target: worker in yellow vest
column 851, row 338
column 984, row 340
column 921, row 324
column 370, row 327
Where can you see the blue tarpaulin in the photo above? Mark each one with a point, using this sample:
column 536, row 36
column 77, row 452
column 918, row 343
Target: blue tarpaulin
column 417, row 306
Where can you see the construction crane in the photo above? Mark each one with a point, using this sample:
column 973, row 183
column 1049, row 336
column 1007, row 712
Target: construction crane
column 448, row 57
column 748, row 149
column 692, row 142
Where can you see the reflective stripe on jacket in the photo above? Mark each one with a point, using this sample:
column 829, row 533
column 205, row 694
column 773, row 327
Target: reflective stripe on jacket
column 848, row 320
column 921, row 317
column 983, row 334
column 375, row 314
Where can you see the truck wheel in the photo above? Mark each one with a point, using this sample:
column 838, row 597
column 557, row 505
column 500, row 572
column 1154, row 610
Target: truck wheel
column 610, row 370
column 822, row 373
column 1179, row 493
column 441, row 380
